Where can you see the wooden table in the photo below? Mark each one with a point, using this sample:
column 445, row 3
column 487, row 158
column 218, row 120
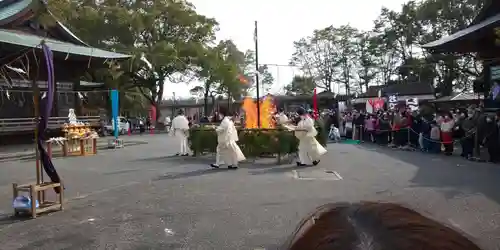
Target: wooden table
column 80, row 147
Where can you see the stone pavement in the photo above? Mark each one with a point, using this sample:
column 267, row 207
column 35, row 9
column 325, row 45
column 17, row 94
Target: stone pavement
column 141, row 198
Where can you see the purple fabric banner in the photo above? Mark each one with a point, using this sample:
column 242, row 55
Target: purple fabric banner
column 47, row 164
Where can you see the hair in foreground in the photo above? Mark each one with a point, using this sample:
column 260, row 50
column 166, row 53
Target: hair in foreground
column 373, row 226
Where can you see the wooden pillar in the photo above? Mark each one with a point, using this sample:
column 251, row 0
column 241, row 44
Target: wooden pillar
column 77, row 105
column 55, row 106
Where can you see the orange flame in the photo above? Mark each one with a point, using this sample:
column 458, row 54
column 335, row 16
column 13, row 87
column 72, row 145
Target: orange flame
column 267, row 109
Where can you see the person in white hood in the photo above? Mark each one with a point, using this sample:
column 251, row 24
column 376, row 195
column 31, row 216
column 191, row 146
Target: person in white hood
column 180, row 129
column 282, row 118
column 228, row 151
column 310, row 150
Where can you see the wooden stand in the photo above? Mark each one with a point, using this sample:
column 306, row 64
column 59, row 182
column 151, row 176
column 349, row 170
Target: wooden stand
column 38, row 190
column 88, row 146
column 50, row 146
column 80, row 147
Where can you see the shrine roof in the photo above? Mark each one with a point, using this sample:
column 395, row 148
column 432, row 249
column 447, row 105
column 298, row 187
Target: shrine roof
column 415, row 88
column 10, row 8
column 449, row 43
column 33, row 41
column 19, row 26
column 458, row 97
column 489, row 9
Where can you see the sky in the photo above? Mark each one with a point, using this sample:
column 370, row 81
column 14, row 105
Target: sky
column 280, row 23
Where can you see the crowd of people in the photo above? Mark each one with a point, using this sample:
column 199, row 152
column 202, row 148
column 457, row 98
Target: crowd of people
column 432, row 132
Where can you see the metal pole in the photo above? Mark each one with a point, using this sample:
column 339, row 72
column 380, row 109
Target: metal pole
column 228, row 100
column 257, row 73
column 173, row 105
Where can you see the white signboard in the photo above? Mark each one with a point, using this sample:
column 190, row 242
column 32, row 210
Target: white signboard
column 412, row 103
column 393, row 101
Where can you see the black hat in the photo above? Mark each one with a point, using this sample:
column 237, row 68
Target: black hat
column 301, row 111
column 223, row 111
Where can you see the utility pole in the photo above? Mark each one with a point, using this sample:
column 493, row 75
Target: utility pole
column 256, row 40
column 173, row 105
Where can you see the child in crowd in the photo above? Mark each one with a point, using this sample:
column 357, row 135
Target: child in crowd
column 447, row 125
column 435, row 138
column 369, row 128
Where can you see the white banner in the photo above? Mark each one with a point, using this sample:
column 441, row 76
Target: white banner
column 412, row 103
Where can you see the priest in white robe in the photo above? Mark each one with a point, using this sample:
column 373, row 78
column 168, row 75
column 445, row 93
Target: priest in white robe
column 282, row 118
column 310, row 150
column 228, row 151
column 180, row 130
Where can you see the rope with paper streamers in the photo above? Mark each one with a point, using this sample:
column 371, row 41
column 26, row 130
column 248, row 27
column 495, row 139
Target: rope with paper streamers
column 469, row 134
column 81, row 94
column 22, row 72
column 71, row 91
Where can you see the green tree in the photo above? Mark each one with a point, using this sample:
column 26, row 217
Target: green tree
column 300, row 85
column 441, row 18
column 390, row 53
column 367, row 54
column 317, row 57
column 346, row 46
column 266, row 78
column 169, row 34
column 220, row 69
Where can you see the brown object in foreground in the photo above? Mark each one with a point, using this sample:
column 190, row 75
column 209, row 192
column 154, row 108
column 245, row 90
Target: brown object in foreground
column 374, row 225
column 38, row 192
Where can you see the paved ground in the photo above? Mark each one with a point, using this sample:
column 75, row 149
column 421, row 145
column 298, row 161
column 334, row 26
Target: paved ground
column 27, row 151
column 140, row 198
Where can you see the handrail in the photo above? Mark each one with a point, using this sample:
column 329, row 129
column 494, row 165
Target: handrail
column 50, row 118
column 26, row 124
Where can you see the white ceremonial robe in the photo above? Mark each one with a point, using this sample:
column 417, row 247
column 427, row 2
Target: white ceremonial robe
column 309, row 148
column 282, row 118
column 180, row 128
column 167, row 123
column 228, row 151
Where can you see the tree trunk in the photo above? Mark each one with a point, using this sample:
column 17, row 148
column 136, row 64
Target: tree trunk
column 76, row 99
column 205, row 104
column 213, row 103
column 159, row 97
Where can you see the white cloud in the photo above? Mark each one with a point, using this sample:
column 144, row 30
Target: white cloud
column 280, row 23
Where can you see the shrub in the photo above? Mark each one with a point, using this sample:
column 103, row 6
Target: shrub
column 253, row 142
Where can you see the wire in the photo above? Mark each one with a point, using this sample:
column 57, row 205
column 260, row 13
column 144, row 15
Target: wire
column 70, row 91
column 23, row 53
